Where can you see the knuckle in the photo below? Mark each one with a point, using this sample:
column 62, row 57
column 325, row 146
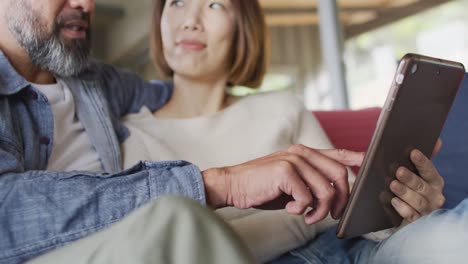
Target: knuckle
column 413, row 217
column 442, row 183
column 299, row 148
column 342, row 153
column 322, row 212
column 328, row 192
column 402, row 189
column 322, row 215
column 308, row 200
column 421, row 187
column 294, row 159
column 405, row 212
column 409, row 214
column 421, row 204
column 342, row 172
column 431, row 171
column 284, row 167
column 440, row 201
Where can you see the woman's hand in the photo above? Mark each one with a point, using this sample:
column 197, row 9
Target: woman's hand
column 417, row 196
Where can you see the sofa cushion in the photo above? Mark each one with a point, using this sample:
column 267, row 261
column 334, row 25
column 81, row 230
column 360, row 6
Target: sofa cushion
column 452, row 159
column 349, row 129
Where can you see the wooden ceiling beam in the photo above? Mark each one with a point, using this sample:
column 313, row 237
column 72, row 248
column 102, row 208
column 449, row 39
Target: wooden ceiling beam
column 282, row 4
column 273, row 11
column 311, row 18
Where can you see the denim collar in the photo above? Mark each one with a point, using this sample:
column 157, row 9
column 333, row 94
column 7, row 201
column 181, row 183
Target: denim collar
column 11, row 81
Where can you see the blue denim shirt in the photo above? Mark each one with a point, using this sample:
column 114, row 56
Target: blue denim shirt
column 41, row 210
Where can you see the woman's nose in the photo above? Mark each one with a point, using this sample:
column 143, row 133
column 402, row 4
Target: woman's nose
column 193, row 20
column 191, row 26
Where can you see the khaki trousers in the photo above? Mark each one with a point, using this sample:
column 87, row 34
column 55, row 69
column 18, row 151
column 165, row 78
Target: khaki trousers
column 168, row 230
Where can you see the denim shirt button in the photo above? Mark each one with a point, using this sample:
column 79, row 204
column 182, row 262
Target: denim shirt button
column 32, row 95
column 44, row 140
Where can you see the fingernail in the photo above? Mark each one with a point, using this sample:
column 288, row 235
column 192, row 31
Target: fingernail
column 400, row 174
column 396, row 187
column 395, row 202
column 417, row 155
column 336, row 215
column 310, row 217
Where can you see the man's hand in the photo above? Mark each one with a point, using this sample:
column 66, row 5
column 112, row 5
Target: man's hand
column 417, row 196
column 308, row 177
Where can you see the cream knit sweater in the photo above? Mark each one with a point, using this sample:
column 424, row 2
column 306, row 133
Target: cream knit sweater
column 255, row 126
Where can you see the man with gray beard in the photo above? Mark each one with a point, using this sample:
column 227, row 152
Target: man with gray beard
column 60, row 161
column 54, row 53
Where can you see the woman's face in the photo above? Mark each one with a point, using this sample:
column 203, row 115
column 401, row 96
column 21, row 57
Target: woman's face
column 197, row 37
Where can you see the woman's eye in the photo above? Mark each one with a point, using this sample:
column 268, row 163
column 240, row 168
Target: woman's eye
column 177, row 3
column 216, row 5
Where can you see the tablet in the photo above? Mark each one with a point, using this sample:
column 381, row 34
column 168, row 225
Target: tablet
column 414, row 113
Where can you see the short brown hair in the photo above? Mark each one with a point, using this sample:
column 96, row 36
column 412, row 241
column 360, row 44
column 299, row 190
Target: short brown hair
column 250, row 53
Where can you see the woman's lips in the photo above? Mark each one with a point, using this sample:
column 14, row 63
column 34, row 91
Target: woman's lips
column 192, row 45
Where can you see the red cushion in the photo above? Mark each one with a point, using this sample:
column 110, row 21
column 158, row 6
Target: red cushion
column 348, row 129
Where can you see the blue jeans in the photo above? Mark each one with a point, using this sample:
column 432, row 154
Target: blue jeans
column 441, row 237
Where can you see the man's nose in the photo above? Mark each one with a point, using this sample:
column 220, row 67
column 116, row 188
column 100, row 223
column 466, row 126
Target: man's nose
column 85, row 5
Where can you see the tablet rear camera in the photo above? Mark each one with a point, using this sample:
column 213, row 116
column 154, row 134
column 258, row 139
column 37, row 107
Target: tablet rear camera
column 414, row 68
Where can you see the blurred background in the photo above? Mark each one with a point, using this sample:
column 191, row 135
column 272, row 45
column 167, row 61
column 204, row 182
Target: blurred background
column 333, row 54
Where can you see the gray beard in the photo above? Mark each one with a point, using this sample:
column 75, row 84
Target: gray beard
column 46, row 50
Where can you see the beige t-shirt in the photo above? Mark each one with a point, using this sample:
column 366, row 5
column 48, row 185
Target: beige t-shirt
column 250, row 128
column 72, row 148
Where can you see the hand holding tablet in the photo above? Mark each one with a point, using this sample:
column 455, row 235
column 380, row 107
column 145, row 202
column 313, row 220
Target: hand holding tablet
column 417, row 105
